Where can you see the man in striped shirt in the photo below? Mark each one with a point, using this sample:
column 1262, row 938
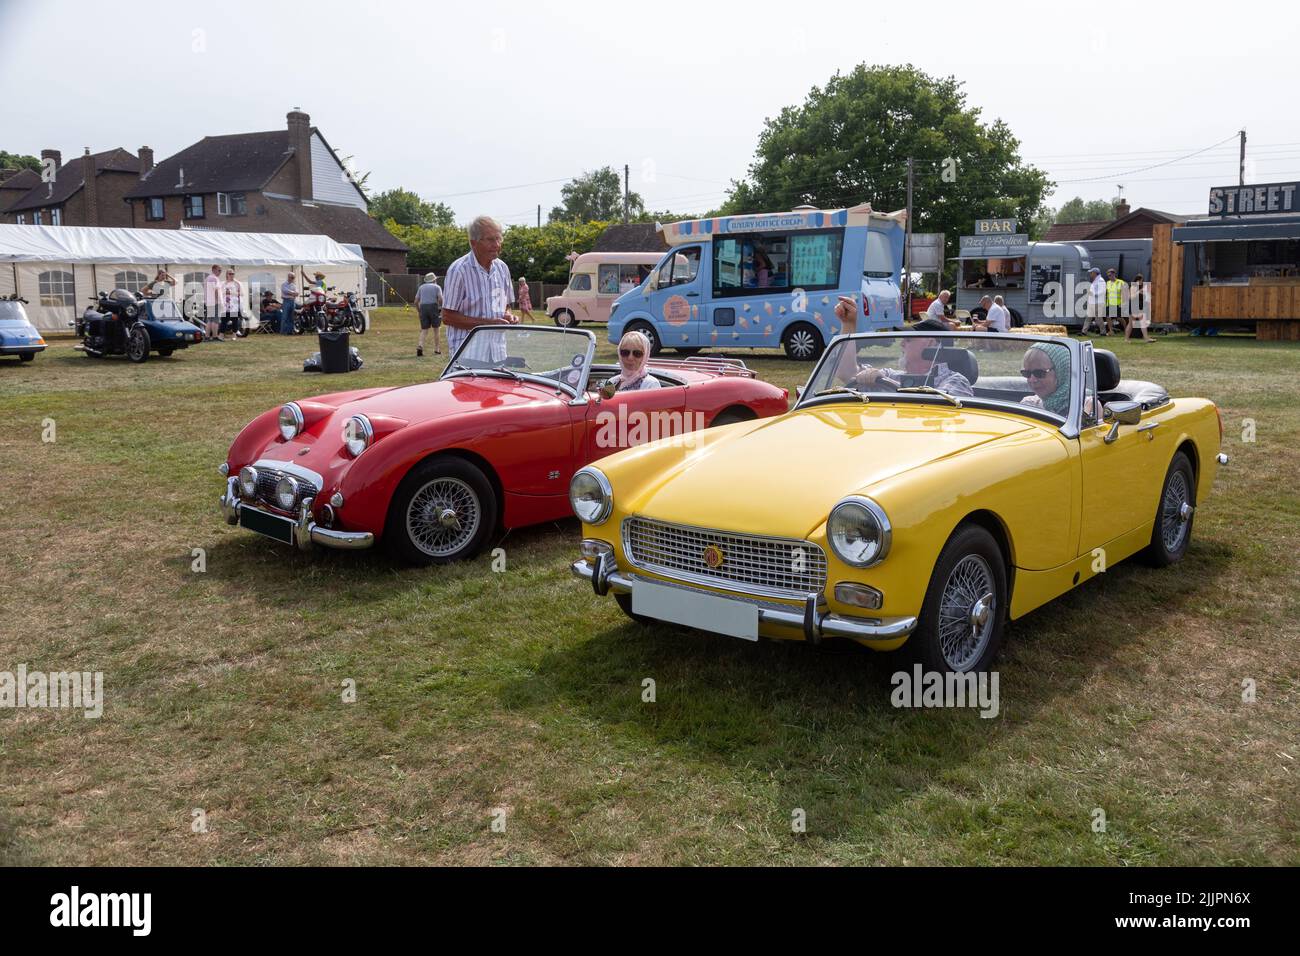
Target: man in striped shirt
column 476, row 291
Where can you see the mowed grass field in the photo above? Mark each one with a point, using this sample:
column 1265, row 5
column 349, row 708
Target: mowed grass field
column 516, row 697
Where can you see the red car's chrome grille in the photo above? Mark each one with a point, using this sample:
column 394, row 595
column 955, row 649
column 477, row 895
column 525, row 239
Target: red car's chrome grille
column 752, row 564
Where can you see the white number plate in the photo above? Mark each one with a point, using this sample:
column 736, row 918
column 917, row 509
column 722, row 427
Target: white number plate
column 370, row 302
column 695, row 609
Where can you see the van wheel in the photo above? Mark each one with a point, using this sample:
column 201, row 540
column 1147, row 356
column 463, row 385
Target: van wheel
column 965, row 608
column 26, row 356
column 564, row 319
column 648, row 330
column 802, row 342
column 689, row 351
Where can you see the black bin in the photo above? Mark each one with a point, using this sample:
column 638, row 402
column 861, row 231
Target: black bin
column 335, row 352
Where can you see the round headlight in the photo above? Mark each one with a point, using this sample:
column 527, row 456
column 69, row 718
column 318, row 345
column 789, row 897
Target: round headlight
column 286, row 493
column 248, row 481
column 290, row 421
column 859, row 532
column 130, row 311
column 591, row 496
column 357, row 434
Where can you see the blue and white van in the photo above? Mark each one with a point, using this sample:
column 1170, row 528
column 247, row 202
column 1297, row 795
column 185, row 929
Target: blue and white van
column 769, row 280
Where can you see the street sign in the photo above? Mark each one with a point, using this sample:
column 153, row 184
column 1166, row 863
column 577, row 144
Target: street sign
column 1268, row 199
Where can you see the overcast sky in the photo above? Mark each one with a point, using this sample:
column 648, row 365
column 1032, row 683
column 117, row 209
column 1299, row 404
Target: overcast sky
column 490, row 105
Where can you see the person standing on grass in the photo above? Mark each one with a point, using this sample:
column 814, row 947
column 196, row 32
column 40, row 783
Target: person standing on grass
column 233, row 303
column 428, row 302
column 1139, row 305
column 288, row 299
column 212, row 306
column 1114, row 299
column 477, row 291
column 524, row 299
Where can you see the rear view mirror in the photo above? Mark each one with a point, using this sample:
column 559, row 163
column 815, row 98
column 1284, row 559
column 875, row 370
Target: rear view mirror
column 1121, row 413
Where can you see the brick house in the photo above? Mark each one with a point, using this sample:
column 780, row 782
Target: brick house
column 287, row 180
column 88, row 191
column 1138, row 223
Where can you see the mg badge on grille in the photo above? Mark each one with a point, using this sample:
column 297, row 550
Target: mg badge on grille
column 713, row 556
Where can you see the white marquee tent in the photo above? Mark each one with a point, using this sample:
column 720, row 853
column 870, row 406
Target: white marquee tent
column 59, row 269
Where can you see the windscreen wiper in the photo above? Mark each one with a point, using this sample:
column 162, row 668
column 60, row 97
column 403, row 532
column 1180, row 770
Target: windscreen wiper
column 930, row 390
column 841, row 390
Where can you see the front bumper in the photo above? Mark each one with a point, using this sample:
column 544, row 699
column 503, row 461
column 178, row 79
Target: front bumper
column 20, row 349
column 306, row 532
column 812, row 619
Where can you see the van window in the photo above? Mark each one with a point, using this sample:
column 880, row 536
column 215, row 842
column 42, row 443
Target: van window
column 759, row 261
column 880, row 256
column 680, row 268
column 580, row 282
column 607, row 281
column 815, row 260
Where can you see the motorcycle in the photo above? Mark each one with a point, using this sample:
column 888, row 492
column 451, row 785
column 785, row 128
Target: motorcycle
column 122, row 322
column 342, row 315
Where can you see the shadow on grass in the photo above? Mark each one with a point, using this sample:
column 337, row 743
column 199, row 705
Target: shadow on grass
column 815, row 727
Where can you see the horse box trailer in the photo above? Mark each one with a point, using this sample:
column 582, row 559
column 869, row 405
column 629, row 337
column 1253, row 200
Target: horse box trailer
column 1038, row 281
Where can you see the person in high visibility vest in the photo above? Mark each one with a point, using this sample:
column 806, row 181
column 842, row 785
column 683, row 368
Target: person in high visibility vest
column 1114, row 299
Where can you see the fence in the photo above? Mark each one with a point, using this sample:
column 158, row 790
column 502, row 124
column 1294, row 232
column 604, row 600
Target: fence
column 399, row 290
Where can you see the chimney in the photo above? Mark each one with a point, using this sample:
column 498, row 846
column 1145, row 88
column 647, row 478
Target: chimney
column 53, row 154
column 300, row 143
column 1122, row 209
column 146, row 161
column 90, row 190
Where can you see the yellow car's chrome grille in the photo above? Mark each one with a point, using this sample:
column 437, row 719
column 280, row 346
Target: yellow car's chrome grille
column 751, row 564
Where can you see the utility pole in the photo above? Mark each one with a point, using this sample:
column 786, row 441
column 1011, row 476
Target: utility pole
column 625, row 194
column 907, row 247
column 1241, row 167
column 539, row 215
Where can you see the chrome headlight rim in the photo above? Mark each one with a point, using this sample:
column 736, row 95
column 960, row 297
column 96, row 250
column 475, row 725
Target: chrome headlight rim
column 885, row 531
column 290, row 483
column 362, row 434
column 292, row 428
column 248, row 481
column 606, row 507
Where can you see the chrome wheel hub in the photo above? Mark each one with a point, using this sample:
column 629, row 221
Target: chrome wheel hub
column 1176, row 510
column 967, row 613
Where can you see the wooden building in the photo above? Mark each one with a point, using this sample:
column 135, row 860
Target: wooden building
column 1233, row 269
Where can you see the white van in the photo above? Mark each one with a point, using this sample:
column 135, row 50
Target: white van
column 596, row 280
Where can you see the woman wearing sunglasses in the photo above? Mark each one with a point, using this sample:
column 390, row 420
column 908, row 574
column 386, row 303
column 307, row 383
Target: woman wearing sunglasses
column 1047, row 370
column 634, row 358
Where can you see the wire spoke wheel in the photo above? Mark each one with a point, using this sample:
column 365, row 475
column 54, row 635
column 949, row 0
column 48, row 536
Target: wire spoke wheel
column 1175, row 512
column 967, row 612
column 443, row 517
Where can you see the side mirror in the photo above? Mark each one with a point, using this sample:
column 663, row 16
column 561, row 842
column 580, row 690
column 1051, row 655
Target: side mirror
column 651, row 283
column 608, row 389
column 1121, row 413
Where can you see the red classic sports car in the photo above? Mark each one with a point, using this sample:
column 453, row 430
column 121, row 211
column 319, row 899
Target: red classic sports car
column 434, row 469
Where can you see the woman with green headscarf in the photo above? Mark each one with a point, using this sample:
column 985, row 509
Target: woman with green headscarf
column 1047, row 369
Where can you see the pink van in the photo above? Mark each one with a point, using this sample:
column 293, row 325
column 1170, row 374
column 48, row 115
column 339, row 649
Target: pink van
column 596, row 280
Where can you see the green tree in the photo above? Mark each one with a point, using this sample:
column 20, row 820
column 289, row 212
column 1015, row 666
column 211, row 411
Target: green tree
column 408, row 209
column 596, row 197
column 19, row 161
column 539, row 254
column 1079, row 209
column 849, row 142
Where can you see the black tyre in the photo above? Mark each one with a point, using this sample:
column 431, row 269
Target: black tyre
column 729, row 416
column 26, row 356
column 358, row 323
column 165, row 353
column 565, row 319
column 688, row 351
column 648, row 330
column 1172, row 531
column 965, row 608
column 802, row 342
column 137, row 344
column 444, row 510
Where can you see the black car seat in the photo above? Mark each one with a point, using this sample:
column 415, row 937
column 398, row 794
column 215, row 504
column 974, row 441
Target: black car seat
column 961, row 361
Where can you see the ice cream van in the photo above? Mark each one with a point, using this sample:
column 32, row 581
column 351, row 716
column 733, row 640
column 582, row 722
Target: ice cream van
column 596, row 280
column 769, row 280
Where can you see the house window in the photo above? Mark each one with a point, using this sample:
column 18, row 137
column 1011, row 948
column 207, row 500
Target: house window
column 153, row 209
column 231, row 204
column 56, row 288
column 38, row 218
column 193, row 207
column 22, row 219
column 131, row 281
column 56, row 217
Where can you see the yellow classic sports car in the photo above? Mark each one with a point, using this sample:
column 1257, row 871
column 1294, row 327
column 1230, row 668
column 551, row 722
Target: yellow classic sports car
column 925, row 488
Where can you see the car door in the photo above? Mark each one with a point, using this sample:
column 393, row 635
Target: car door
column 628, row 419
column 675, row 304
